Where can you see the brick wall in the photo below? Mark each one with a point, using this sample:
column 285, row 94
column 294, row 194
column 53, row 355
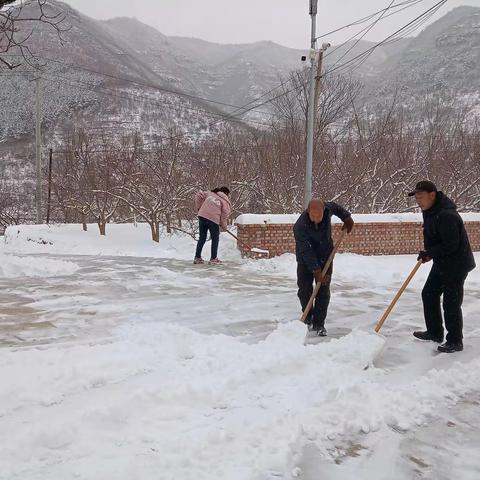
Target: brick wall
column 366, row 238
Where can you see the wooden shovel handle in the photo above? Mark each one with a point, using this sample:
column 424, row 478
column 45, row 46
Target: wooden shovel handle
column 238, row 240
column 397, row 296
column 324, row 272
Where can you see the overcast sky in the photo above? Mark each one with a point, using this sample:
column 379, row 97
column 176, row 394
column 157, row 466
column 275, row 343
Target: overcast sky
column 239, row 21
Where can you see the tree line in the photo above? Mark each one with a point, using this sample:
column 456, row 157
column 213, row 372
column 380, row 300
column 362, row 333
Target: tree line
column 366, row 156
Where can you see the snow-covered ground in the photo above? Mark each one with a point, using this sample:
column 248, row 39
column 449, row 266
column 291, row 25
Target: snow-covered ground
column 120, row 359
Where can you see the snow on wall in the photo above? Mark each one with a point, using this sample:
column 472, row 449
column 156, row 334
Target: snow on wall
column 272, row 219
column 372, row 235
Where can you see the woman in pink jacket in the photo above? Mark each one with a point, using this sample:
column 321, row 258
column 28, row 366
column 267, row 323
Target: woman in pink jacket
column 213, row 210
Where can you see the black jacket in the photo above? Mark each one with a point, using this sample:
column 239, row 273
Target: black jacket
column 314, row 241
column 446, row 240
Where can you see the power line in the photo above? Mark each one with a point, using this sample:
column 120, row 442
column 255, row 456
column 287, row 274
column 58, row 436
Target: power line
column 196, row 132
column 364, row 32
column 239, row 110
column 105, row 91
column 154, row 87
column 150, row 100
column 417, row 21
column 405, row 33
column 229, row 118
column 409, row 4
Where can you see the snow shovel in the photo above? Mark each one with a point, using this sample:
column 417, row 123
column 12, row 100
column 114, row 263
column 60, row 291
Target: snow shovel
column 324, row 272
column 248, row 247
column 397, row 296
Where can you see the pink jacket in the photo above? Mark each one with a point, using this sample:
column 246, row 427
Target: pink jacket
column 213, row 206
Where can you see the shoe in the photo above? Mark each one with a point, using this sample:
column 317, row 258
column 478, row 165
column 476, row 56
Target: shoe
column 308, row 321
column 198, row 261
column 427, row 336
column 450, row 347
column 214, row 261
column 321, row 331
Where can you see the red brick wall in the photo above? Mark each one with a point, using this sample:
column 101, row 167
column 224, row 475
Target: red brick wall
column 366, row 238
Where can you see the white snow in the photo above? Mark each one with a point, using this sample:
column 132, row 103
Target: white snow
column 14, row 266
column 130, row 362
column 271, row 219
column 259, row 219
column 120, row 240
column 259, row 250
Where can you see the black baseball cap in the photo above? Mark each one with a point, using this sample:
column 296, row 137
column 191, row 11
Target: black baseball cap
column 424, row 186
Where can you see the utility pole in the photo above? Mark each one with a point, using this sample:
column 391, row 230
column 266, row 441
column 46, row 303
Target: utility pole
column 318, row 78
column 38, row 147
column 49, row 185
column 311, row 102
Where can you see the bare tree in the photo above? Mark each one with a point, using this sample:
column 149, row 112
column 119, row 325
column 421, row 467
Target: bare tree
column 156, row 188
column 334, row 101
column 18, row 20
column 11, row 212
column 366, row 157
column 70, row 181
column 104, row 176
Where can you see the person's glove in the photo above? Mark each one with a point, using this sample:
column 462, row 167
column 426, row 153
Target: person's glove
column 423, row 257
column 348, row 224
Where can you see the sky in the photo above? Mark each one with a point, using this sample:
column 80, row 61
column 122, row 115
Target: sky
column 241, row 21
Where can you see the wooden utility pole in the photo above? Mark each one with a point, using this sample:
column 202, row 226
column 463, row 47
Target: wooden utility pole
column 49, row 185
column 38, row 146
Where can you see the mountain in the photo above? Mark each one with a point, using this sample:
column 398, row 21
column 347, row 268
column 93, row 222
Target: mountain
column 120, row 75
column 444, row 58
column 171, row 82
column 96, row 78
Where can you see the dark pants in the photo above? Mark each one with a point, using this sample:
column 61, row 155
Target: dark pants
column 205, row 227
column 451, row 286
column 305, row 281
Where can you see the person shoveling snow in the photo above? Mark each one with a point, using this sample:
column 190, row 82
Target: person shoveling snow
column 447, row 244
column 213, row 210
column 314, row 245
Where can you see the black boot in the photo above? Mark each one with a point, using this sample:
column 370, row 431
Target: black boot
column 321, row 331
column 427, row 336
column 450, row 347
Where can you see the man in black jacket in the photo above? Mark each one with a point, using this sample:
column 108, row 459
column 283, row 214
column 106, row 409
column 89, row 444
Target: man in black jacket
column 313, row 237
column 446, row 243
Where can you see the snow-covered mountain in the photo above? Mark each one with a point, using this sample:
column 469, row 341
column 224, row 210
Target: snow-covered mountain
column 82, row 78
column 445, row 57
column 97, row 79
column 121, row 75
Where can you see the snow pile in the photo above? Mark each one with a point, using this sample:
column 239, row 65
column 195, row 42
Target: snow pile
column 350, row 268
column 12, row 266
column 121, row 240
column 165, row 402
